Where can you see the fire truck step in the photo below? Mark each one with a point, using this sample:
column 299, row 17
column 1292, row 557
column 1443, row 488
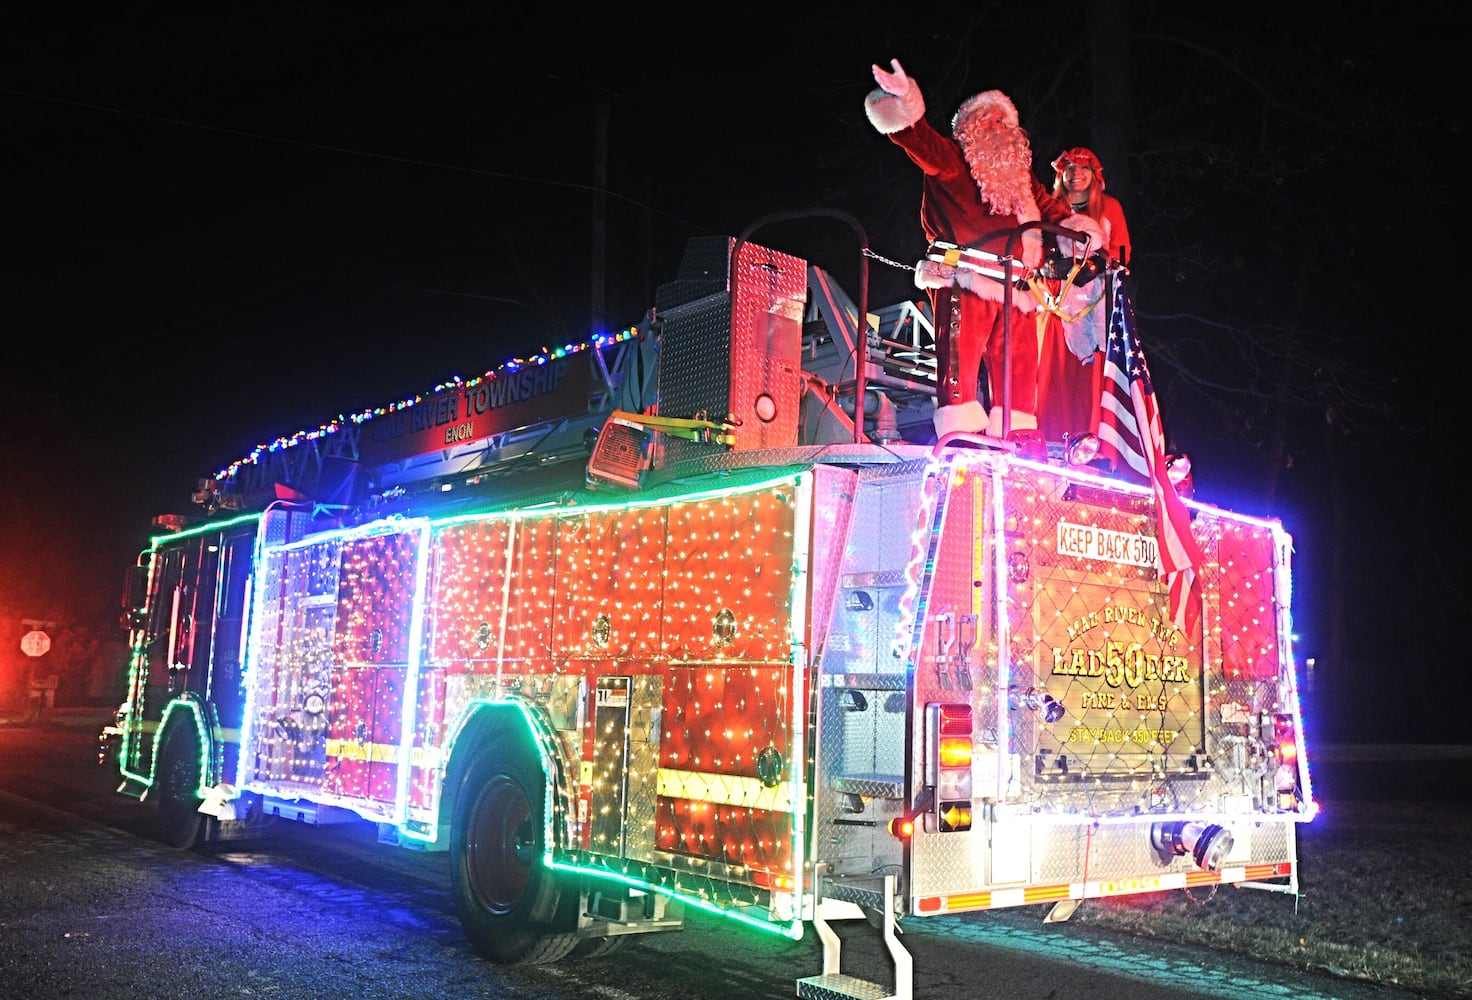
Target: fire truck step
column 875, row 786
column 866, row 891
column 837, row 986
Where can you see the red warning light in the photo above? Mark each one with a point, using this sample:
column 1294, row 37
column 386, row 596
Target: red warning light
column 1286, row 738
column 955, row 720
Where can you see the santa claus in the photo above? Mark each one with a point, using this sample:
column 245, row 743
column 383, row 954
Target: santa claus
column 978, row 189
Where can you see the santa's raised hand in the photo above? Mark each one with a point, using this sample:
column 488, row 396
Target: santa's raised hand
column 896, row 82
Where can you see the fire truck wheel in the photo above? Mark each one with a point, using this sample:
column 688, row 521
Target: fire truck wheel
column 180, row 822
column 506, row 898
column 598, row 947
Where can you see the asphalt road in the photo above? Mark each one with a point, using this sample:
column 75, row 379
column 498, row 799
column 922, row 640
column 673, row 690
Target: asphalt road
column 91, row 905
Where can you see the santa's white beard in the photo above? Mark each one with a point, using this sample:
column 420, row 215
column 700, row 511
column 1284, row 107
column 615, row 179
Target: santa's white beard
column 1000, row 160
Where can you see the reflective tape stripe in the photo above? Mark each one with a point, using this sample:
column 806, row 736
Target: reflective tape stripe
column 981, row 261
column 723, row 789
column 377, row 753
column 997, row 898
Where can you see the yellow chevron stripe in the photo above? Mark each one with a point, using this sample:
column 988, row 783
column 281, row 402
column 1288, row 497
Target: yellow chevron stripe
column 724, row 789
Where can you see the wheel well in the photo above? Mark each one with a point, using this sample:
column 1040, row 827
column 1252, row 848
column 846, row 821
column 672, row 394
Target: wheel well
column 508, row 725
column 183, row 719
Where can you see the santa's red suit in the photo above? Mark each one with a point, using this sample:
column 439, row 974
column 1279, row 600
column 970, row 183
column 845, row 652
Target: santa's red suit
column 978, row 188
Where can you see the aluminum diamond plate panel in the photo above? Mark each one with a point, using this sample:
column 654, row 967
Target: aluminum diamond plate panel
column 1116, row 851
column 734, row 354
column 862, row 723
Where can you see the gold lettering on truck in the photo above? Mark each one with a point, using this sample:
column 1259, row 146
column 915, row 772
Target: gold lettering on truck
column 1129, row 682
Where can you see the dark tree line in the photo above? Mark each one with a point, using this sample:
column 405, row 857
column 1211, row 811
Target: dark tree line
column 1277, row 170
column 1278, row 185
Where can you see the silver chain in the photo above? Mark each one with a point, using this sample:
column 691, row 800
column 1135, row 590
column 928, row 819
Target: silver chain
column 885, row 260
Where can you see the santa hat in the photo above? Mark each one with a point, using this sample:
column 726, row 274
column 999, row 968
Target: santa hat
column 1079, row 156
column 984, row 101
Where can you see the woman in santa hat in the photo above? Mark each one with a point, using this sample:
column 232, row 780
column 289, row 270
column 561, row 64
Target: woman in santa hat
column 1078, row 179
column 1074, row 311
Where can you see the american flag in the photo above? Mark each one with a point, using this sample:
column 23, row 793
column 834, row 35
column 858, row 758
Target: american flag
column 1131, row 440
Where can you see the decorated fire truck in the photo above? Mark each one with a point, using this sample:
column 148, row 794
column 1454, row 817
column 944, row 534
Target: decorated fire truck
column 701, row 614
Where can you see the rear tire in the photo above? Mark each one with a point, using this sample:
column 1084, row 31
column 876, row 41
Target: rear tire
column 505, row 896
column 180, row 823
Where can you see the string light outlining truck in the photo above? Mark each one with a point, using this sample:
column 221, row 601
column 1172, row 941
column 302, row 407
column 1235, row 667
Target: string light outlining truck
column 701, row 614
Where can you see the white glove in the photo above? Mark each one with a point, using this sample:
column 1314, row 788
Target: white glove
column 896, row 103
column 1085, row 224
column 934, row 274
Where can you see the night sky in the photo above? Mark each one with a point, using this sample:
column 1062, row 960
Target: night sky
column 225, row 226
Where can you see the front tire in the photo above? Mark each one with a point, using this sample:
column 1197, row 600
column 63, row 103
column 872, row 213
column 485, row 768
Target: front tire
column 505, row 896
column 180, row 823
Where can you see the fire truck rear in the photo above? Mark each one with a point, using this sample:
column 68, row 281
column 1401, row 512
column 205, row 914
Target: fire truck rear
column 696, row 615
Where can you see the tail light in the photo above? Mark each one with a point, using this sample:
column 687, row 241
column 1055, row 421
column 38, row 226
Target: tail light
column 1285, row 736
column 945, row 800
column 948, row 764
column 944, row 804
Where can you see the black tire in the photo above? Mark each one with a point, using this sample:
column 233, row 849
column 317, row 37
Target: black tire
column 180, row 823
column 506, row 898
column 598, row 947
